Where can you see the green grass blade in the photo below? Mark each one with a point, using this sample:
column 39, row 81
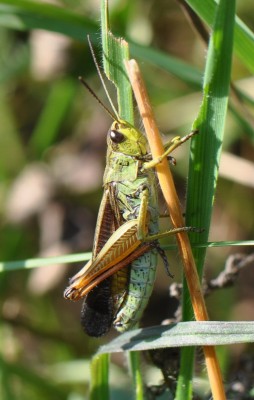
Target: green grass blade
column 25, row 15
column 32, row 379
column 99, row 388
column 180, row 334
column 206, row 147
column 115, row 52
column 171, row 64
column 8, row 266
column 205, row 156
column 9, row 139
column 53, row 115
column 244, row 37
column 134, row 360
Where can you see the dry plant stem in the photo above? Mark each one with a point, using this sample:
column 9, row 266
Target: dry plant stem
column 171, row 198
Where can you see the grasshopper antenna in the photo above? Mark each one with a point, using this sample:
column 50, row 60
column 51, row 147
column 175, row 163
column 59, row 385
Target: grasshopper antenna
column 102, row 79
column 90, row 90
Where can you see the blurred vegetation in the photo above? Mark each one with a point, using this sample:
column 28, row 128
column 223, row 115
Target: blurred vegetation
column 52, row 158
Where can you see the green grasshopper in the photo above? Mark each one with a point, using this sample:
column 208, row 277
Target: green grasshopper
column 117, row 282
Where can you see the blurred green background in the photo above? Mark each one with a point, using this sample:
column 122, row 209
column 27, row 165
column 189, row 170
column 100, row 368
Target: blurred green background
column 52, row 158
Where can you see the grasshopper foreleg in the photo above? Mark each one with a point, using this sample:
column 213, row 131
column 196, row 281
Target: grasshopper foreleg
column 173, row 144
column 148, row 158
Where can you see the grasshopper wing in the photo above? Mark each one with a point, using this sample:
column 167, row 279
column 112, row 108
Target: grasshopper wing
column 121, row 244
column 97, row 309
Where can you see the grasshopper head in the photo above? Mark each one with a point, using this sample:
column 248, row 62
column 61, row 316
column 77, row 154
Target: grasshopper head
column 124, row 138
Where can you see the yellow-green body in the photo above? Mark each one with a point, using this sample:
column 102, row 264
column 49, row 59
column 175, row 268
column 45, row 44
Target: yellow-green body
column 128, row 215
column 128, row 183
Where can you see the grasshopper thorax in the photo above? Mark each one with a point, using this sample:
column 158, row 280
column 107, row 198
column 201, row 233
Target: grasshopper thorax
column 126, row 139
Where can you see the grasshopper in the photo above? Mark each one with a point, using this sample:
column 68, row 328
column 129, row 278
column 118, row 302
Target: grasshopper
column 117, row 282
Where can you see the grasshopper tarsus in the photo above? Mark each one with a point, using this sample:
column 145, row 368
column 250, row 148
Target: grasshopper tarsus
column 194, row 132
column 188, row 136
column 195, row 229
column 164, row 258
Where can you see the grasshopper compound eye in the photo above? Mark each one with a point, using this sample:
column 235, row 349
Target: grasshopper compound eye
column 116, row 137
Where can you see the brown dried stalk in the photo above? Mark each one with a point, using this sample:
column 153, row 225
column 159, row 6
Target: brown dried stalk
column 171, row 198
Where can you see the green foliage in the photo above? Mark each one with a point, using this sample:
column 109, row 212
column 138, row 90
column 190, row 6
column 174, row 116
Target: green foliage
column 115, row 52
column 182, row 334
column 52, row 153
column 100, row 371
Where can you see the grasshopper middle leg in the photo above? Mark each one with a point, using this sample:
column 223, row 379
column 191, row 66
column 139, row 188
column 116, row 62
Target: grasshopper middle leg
column 143, row 217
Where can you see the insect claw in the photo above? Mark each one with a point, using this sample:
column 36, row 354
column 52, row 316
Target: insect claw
column 194, row 132
column 172, row 160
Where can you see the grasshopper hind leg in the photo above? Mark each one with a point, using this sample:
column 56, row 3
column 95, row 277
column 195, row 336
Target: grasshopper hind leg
column 97, row 310
column 164, row 258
